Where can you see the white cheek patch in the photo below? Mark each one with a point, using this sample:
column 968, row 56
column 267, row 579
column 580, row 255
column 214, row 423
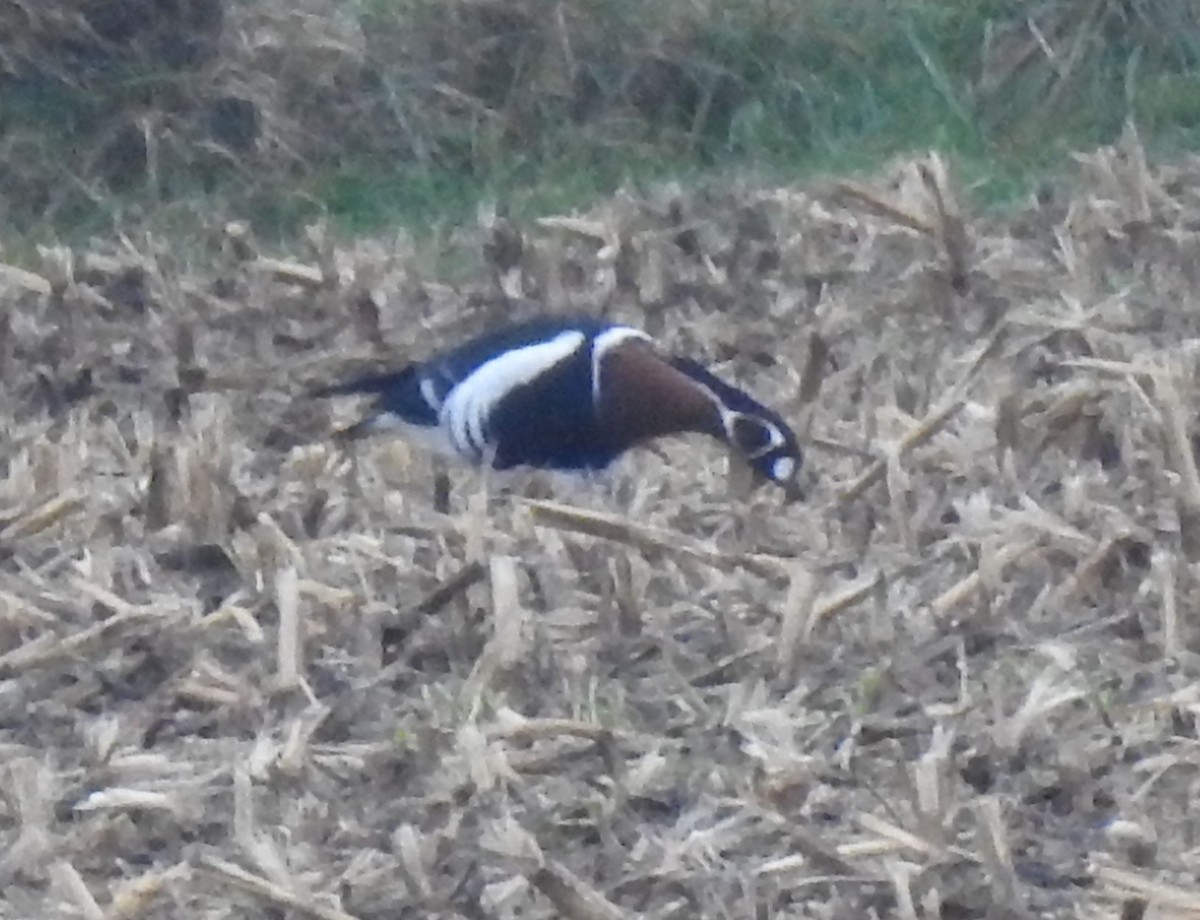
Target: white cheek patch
column 465, row 413
column 604, row 343
column 783, row 469
column 775, row 439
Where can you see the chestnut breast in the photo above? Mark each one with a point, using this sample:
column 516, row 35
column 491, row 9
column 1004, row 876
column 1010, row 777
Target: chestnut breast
column 642, row 397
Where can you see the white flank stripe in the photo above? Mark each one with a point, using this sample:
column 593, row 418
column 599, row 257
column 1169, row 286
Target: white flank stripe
column 429, row 394
column 465, row 413
column 605, row 342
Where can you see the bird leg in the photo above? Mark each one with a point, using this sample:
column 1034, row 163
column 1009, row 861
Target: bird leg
column 441, row 486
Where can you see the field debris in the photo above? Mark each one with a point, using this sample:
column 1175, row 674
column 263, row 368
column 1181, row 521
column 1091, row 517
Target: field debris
column 246, row 667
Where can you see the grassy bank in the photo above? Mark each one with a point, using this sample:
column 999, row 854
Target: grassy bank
column 410, row 112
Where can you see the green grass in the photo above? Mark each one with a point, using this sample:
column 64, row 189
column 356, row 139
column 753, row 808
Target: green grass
column 783, row 90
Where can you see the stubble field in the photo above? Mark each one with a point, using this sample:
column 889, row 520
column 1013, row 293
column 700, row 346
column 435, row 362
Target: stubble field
column 244, row 672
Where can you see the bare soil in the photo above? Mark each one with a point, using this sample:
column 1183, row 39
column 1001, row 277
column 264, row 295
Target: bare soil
column 245, row 672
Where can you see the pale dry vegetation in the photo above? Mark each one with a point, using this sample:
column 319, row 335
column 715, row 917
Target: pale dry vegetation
column 242, row 670
column 385, row 111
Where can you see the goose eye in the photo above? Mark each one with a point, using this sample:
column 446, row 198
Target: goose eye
column 751, row 435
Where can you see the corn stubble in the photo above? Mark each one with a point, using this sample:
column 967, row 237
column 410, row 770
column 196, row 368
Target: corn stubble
column 270, row 674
